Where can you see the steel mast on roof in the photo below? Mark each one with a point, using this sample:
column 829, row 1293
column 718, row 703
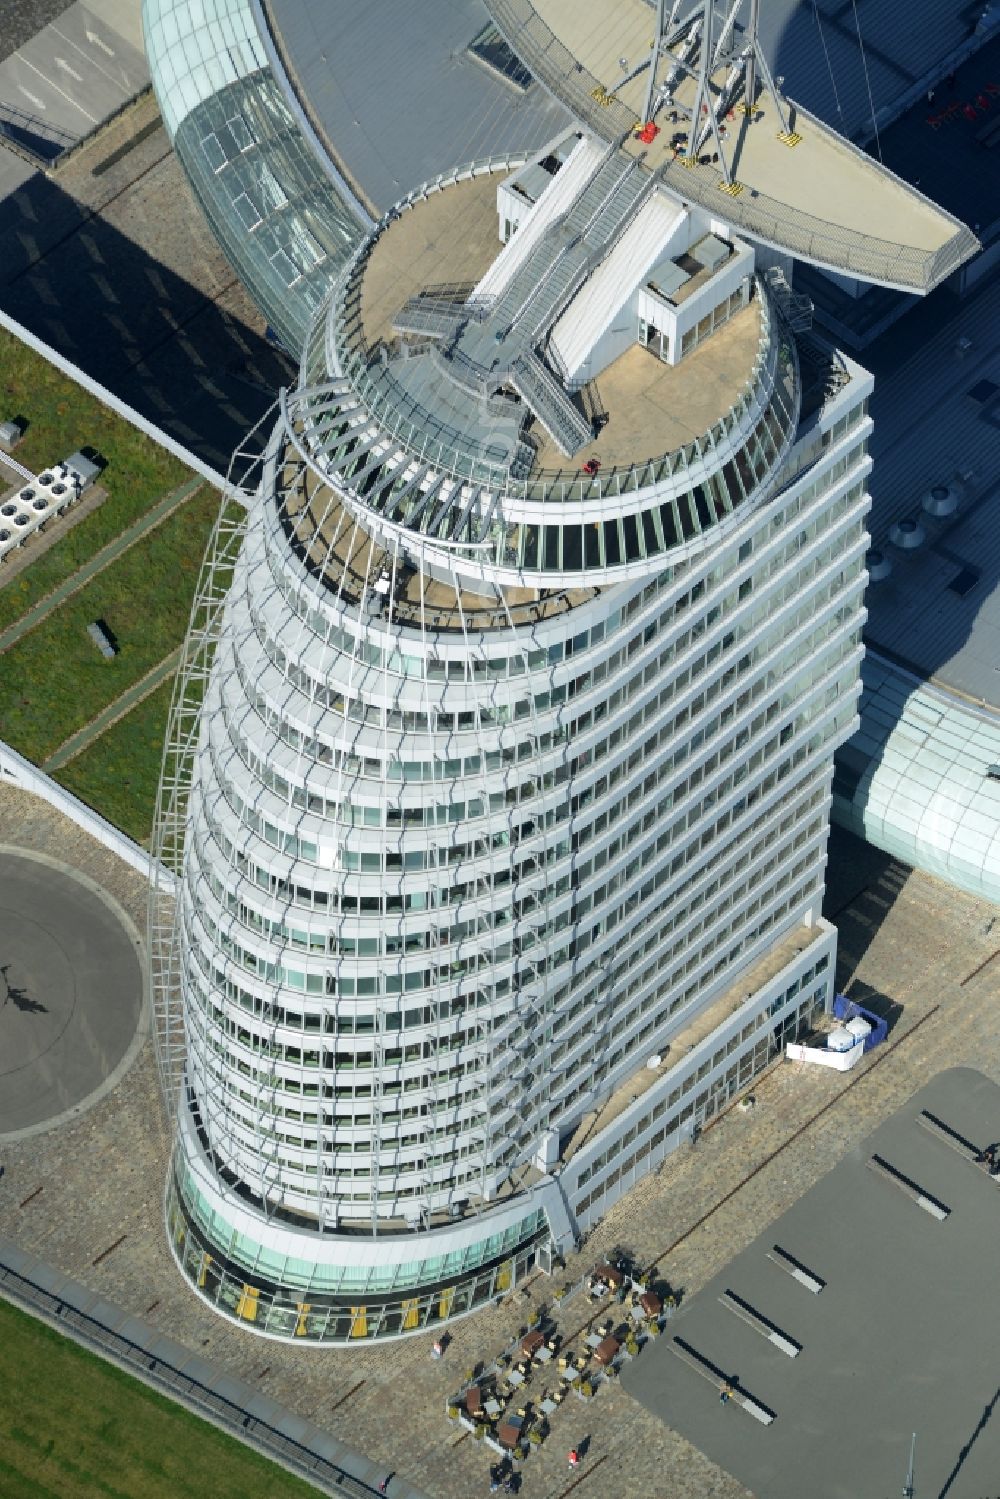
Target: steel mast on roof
column 701, row 44
column 908, row 1489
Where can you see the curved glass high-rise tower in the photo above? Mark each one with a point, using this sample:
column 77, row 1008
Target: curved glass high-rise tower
column 298, row 125
column 503, row 771
column 507, row 767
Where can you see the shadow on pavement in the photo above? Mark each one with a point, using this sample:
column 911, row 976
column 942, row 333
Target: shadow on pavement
column 862, row 883
column 154, row 339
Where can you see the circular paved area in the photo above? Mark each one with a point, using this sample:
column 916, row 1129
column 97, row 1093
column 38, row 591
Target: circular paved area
column 71, row 993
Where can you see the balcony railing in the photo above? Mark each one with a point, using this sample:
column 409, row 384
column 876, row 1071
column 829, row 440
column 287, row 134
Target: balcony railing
column 375, row 389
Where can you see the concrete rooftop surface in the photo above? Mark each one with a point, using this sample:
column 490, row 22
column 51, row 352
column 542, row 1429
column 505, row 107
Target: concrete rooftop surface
column 653, row 408
column 817, row 195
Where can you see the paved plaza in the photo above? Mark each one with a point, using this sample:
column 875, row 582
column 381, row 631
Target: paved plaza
column 71, row 993
column 930, row 951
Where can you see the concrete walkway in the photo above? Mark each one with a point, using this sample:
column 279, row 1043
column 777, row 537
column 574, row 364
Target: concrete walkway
column 98, row 562
column 193, row 1381
column 123, row 704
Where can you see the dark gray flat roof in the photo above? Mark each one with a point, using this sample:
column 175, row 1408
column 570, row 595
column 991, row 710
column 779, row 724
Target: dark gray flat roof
column 390, row 81
column 816, row 48
column 942, row 144
column 396, row 94
column 937, row 423
column 936, row 409
column 902, row 1339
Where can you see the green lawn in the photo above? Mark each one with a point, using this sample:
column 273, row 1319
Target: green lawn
column 62, row 417
column 54, row 680
column 74, row 1427
column 119, row 772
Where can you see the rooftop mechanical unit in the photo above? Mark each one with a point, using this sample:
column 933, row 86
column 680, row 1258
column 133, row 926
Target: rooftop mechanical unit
column 85, row 469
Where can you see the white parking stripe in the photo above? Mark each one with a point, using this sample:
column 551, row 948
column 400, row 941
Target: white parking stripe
column 68, row 97
column 94, row 62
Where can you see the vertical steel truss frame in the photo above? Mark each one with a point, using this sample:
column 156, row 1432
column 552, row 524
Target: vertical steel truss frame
column 178, row 762
column 697, row 45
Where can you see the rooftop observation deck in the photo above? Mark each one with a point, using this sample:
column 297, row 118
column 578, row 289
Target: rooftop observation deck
column 652, row 408
column 351, row 562
column 431, row 408
column 817, row 199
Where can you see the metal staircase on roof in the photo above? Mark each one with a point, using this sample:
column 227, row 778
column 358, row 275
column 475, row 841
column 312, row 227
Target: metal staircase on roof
column 478, row 349
column 429, row 317
column 796, row 308
column 564, row 257
column 540, row 390
column 614, row 192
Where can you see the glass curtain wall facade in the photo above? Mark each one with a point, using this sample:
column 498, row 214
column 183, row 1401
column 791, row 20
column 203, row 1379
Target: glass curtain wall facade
column 474, row 829
column 921, row 778
column 278, row 215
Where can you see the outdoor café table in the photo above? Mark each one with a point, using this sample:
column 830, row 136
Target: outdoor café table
column 531, row 1342
column 592, row 1340
column 543, row 1355
column 548, row 1406
column 509, row 1432
column 569, row 1374
column 604, row 1352
column 651, row 1303
column 515, row 1378
column 491, row 1407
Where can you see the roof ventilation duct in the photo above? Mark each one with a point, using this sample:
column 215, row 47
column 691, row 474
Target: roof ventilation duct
column 940, row 501
column 907, row 534
column 878, row 564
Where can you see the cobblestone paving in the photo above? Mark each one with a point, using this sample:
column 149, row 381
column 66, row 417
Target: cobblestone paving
column 908, row 937
column 23, row 19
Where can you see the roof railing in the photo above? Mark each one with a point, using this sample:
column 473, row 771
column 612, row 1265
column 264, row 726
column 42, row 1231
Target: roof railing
column 360, row 401
column 421, row 433
column 864, row 255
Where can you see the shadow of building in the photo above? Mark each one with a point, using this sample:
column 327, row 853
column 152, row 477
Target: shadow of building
column 185, row 357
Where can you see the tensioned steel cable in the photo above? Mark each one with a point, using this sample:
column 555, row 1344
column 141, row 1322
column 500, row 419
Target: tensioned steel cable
column 826, row 54
column 868, row 85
